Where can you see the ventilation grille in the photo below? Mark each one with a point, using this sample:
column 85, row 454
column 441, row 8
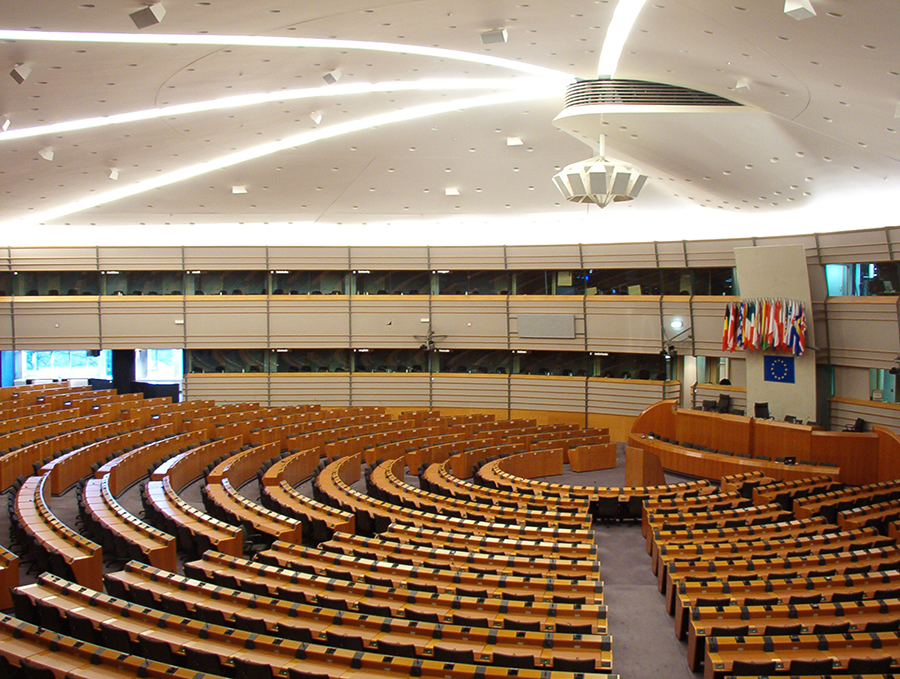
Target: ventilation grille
column 637, row 93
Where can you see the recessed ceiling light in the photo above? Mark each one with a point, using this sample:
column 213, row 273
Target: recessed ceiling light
column 451, row 192
column 513, row 141
column 332, row 76
column 316, row 117
column 5, row 122
column 241, row 188
column 46, row 153
column 113, row 173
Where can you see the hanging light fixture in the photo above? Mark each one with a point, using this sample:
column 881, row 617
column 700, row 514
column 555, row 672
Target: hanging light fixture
column 600, row 180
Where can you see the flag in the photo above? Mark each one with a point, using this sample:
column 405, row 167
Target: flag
column 778, row 369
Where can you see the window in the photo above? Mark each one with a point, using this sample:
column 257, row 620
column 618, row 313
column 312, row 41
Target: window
column 159, row 365
column 63, row 365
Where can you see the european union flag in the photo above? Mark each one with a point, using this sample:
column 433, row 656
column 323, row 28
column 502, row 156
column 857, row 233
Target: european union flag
column 778, row 369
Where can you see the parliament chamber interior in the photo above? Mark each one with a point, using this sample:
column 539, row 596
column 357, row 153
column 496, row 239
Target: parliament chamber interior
column 322, row 356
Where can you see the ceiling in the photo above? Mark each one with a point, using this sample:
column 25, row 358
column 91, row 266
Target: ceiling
column 815, row 146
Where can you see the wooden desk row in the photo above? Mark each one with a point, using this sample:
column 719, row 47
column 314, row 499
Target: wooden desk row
column 795, row 620
column 848, row 497
column 800, row 590
column 308, row 622
column 675, row 552
column 388, row 478
column 195, row 531
column 357, row 569
column 434, row 607
column 106, row 514
column 182, row 640
column 428, row 555
column 47, row 533
column 334, row 482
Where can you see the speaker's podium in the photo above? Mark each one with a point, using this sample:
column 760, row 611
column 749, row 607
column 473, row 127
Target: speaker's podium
column 642, row 468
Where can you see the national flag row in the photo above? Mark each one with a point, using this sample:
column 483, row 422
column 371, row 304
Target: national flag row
column 776, row 324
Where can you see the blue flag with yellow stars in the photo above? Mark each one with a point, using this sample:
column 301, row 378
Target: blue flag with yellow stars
column 778, row 369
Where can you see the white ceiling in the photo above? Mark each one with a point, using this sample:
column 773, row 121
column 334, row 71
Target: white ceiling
column 815, row 147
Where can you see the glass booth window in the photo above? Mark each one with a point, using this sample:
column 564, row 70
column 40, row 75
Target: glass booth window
column 39, row 283
column 390, row 360
column 392, row 282
column 561, row 363
column 228, row 360
column 630, row 366
column 227, row 282
column 309, row 360
column 862, row 280
column 472, row 282
column 63, row 365
column 159, row 365
column 309, row 282
column 484, row 362
column 143, row 282
column 7, row 280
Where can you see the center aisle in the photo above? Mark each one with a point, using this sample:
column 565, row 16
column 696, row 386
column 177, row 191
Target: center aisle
column 644, row 643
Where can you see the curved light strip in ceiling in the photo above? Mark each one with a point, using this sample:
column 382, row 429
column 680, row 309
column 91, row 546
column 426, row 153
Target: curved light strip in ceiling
column 268, row 41
column 533, row 84
column 301, row 139
column 623, row 20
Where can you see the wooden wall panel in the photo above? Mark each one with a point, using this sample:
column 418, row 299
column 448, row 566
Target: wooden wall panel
column 469, row 322
column 627, row 323
column 863, row 331
column 854, row 246
column 389, row 321
column 470, row 391
column 309, row 258
column 623, row 397
column 238, row 322
column 53, row 259
column 844, row 412
column 226, row 388
column 390, row 389
column 619, row 255
column 309, row 321
column 467, row 258
column 139, row 258
column 702, row 253
column 538, row 392
column 222, row 258
column 389, row 259
column 44, row 323
column 709, row 317
column 562, row 257
column 6, row 323
column 136, row 322
column 326, row 389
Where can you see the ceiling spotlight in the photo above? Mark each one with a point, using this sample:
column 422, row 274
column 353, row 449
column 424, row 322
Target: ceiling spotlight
column 332, row 76
column 20, row 72
column 451, row 192
column 494, row 36
column 513, row 141
column 799, row 9
column 148, row 16
column 600, row 180
column 316, row 117
column 743, row 83
column 5, row 122
column 114, row 173
column 46, row 153
column 242, row 188
column 676, row 324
